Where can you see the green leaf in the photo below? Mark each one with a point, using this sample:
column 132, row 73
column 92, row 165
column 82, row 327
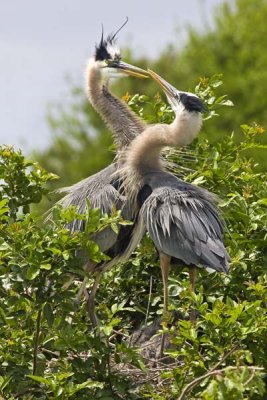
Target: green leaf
column 32, row 272
column 3, row 202
column 46, row 266
column 48, row 314
column 263, row 201
column 115, row 228
column 39, row 379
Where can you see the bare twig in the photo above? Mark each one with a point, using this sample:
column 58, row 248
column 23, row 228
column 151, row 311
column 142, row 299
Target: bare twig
column 116, row 333
column 250, row 378
column 196, row 381
column 53, row 353
column 148, row 343
column 226, row 355
column 149, row 298
column 36, row 341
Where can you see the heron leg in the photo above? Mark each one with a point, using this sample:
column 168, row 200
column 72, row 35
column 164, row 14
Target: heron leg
column 81, row 291
column 192, row 278
column 165, row 268
column 91, row 300
column 89, row 268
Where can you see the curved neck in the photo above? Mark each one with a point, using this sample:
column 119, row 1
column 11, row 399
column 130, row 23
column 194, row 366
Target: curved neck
column 185, row 127
column 123, row 123
column 143, row 155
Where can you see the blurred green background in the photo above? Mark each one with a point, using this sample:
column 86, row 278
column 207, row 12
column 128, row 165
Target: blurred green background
column 235, row 47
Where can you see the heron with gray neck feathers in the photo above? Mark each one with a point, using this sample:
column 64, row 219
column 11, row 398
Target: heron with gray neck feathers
column 101, row 189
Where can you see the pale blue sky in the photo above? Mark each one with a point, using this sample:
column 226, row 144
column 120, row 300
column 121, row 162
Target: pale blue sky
column 43, row 41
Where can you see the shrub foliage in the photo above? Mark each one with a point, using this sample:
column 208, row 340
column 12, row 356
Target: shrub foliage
column 48, row 348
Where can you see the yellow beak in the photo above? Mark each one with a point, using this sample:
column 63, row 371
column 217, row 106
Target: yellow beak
column 167, row 88
column 128, row 69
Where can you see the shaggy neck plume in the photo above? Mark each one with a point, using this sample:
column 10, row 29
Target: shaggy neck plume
column 94, row 82
column 123, row 123
column 143, row 154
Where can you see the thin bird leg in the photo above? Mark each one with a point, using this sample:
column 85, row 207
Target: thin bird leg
column 81, row 291
column 192, row 277
column 165, row 268
column 89, row 268
column 91, row 300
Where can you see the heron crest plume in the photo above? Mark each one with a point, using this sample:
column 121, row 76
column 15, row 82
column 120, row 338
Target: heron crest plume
column 107, row 48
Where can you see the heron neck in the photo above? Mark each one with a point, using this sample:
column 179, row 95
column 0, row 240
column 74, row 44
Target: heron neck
column 144, row 152
column 143, row 155
column 123, row 123
column 185, row 127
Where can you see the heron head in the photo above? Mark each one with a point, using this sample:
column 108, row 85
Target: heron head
column 108, row 57
column 177, row 99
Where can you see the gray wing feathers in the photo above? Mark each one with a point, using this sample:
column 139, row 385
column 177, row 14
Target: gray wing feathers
column 101, row 194
column 104, row 199
column 96, row 188
column 186, row 228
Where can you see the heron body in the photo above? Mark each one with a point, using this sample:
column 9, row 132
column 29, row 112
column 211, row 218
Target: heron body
column 101, row 189
column 181, row 219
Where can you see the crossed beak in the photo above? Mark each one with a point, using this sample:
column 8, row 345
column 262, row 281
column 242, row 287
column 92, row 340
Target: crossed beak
column 170, row 91
column 128, row 69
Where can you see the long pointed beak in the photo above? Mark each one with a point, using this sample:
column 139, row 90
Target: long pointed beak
column 169, row 90
column 128, row 69
column 190, row 101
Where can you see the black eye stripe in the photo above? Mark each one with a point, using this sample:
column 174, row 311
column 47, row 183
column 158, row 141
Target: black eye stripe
column 117, row 57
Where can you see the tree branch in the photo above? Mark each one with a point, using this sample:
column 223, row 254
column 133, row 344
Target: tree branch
column 196, row 381
column 36, row 341
column 226, row 355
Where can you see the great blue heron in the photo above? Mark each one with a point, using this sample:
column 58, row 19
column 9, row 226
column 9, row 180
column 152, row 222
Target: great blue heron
column 182, row 219
column 101, row 189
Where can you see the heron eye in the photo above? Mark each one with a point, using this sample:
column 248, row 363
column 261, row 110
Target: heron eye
column 109, row 62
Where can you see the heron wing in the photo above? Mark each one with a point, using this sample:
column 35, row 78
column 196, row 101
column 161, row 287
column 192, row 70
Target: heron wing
column 102, row 193
column 92, row 188
column 185, row 227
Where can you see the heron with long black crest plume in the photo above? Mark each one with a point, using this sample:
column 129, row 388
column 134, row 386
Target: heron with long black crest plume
column 101, row 189
column 182, row 219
